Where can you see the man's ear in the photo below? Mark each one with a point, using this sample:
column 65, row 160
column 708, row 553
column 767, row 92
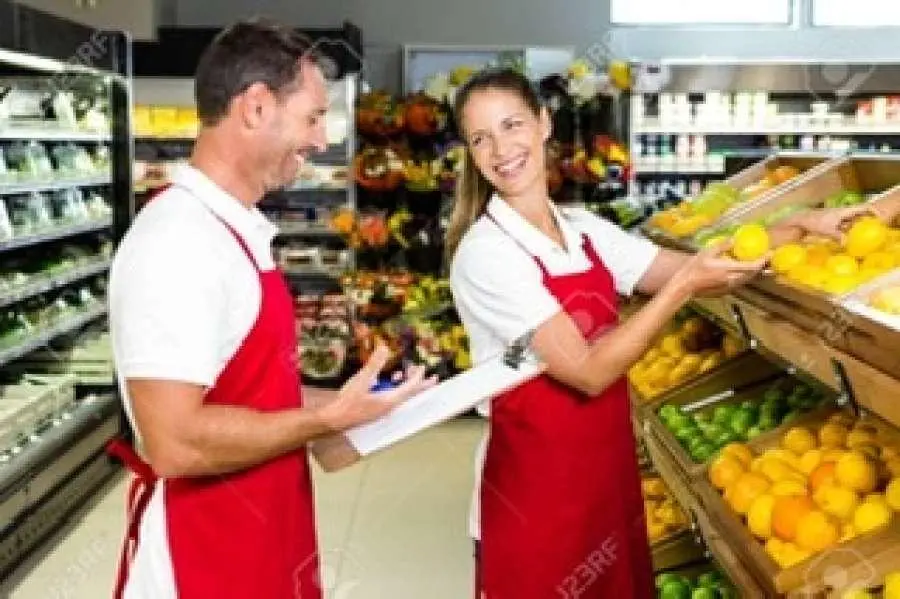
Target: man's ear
column 546, row 123
column 253, row 105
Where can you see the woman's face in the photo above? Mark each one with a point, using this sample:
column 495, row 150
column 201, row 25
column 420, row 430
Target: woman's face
column 506, row 140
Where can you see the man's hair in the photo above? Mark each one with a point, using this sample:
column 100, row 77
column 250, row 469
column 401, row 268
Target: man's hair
column 248, row 52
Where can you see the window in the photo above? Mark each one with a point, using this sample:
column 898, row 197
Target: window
column 859, row 13
column 701, row 12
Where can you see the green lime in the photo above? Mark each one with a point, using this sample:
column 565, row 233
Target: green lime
column 703, row 453
column 701, row 418
column 754, row 432
column 722, row 415
column 767, row 423
column 666, row 577
column 675, row 589
column 742, row 420
column 686, row 432
column 705, row 593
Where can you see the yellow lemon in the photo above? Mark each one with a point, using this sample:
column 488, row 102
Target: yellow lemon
column 810, row 460
column 817, row 532
column 840, row 284
column 867, row 235
column 725, row 470
column 788, row 488
column 892, row 494
column 837, row 501
column 887, row 300
column 892, row 586
column 870, row 516
column 748, row 487
column 817, row 254
column 759, row 517
column 880, row 261
column 833, row 435
column 776, row 471
column 799, row 440
column 856, row 471
column 861, row 435
column 739, row 451
column 842, row 265
column 788, row 257
column 750, row 242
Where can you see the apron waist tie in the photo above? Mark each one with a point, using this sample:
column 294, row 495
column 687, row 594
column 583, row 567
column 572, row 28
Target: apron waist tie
column 139, row 493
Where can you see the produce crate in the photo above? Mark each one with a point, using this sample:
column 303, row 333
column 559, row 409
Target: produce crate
column 718, row 309
column 858, row 560
column 788, row 342
column 724, row 395
column 675, row 551
column 868, row 175
column 808, row 164
column 747, row 367
column 26, row 407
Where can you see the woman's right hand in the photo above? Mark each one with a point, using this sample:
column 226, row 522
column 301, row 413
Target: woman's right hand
column 710, row 273
column 828, row 222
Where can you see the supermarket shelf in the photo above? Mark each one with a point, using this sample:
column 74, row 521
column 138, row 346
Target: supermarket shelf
column 286, row 228
column 165, row 138
column 54, row 234
column 40, row 340
column 52, row 282
column 655, row 128
column 39, row 186
column 678, row 169
column 313, row 273
column 317, row 187
column 52, row 134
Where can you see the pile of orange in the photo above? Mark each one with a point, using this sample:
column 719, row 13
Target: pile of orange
column 820, row 487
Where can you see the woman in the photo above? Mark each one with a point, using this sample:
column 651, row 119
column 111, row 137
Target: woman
column 559, row 510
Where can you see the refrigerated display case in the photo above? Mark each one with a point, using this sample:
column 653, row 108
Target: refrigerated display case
column 65, row 200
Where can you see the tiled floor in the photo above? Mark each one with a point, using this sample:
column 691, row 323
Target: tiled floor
column 393, row 527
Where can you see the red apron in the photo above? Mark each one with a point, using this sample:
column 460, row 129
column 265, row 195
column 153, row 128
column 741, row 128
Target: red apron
column 249, row 533
column 561, row 508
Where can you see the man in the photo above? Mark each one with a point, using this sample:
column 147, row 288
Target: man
column 203, row 334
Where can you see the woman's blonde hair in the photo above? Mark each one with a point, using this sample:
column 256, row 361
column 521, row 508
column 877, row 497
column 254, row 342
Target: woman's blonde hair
column 473, row 190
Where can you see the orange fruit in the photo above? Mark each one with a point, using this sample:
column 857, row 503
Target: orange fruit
column 786, row 515
column 822, row 475
column 725, row 470
column 866, row 235
column 816, row 531
column 856, row 471
column 745, row 489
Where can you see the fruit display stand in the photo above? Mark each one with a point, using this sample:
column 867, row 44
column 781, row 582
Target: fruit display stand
column 802, row 166
column 840, row 565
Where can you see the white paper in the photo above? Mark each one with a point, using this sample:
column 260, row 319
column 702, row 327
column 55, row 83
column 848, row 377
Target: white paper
column 442, row 402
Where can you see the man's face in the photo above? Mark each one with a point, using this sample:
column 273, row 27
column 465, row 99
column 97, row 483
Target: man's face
column 295, row 130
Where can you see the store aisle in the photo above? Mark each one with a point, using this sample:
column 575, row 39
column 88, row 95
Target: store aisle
column 394, row 527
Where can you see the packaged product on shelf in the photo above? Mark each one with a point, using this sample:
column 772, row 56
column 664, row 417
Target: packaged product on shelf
column 29, row 213
column 98, row 208
column 29, row 161
column 68, row 206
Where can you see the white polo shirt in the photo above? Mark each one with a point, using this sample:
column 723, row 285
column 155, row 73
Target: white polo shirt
column 498, row 288
column 183, row 295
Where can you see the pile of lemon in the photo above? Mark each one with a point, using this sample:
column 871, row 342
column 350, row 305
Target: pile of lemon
column 662, row 513
column 692, row 348
column 819, row 488
column 870, row 249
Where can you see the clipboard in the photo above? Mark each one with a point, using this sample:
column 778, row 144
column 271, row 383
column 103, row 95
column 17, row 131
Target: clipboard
column 456, row 395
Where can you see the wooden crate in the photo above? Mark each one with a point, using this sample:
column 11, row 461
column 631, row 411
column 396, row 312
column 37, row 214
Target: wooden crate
column 675, row 478
column 808, row 164
column 807, row 351
column 878, row 175
column 858, row 560
column 675, row 551
column 682, row 460
column 718, row 309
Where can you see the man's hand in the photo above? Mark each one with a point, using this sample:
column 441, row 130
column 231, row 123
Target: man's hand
column 356, row 404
